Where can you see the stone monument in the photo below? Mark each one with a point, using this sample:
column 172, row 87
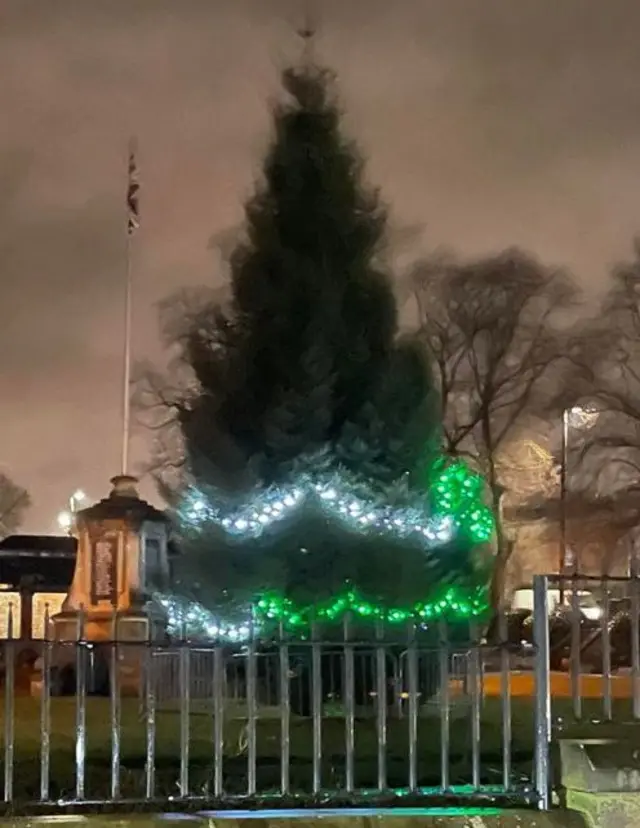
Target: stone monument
column 122, row 559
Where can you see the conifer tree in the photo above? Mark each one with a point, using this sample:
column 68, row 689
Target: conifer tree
column 303, row 373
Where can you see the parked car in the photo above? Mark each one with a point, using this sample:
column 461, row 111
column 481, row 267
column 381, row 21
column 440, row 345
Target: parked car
column 588, row 605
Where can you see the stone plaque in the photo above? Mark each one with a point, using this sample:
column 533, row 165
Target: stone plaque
column 104, row 569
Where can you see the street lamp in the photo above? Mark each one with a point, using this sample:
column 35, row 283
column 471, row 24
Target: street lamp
column 77, row 498
column 66, row 519
column 576, row 417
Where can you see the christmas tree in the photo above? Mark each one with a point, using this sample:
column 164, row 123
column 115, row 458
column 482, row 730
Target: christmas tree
column 312, row 437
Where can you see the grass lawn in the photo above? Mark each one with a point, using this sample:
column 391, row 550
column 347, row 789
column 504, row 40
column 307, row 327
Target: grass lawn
column 201, row 751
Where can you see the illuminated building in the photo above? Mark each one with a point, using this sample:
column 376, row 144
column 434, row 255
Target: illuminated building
column 35, row 572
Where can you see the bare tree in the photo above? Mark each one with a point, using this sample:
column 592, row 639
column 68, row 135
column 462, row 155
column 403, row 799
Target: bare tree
column 504, row 351
column 611, row 449
column 14, row 502
column 162, row 394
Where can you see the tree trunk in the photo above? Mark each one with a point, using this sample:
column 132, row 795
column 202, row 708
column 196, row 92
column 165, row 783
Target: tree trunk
column 503, row 547
column 498, row 576
column 496, row 592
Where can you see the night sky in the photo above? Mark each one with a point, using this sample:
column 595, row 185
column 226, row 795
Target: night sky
column 490, row 123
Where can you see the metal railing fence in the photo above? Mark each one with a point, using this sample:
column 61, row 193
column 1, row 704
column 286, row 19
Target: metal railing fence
column 394, row 716
column 594, row 646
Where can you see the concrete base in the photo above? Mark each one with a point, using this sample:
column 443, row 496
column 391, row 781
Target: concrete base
column 606, row 810
column 131, row 630
column 129, row 625
column 601, row 780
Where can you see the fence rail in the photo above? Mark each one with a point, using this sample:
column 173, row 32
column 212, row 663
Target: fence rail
column 382, row 715
column 594, row 645
column 340, row 719
column 391, row 715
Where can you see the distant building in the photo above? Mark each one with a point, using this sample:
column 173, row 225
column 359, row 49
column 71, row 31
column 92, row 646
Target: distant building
column 35, row 574
column 601, row 537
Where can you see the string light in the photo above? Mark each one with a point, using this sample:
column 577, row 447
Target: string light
column 458, row 492
column 454, row 603
column 194, row 621
column 454, row 505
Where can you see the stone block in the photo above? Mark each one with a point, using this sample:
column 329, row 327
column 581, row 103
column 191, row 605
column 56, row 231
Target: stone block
column 601, row 780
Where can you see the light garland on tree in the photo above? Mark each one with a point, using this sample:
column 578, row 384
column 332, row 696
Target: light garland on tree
column 188, row 619
column 192, row 620
column 456, row 506
column 458, row 493
column 454, row 602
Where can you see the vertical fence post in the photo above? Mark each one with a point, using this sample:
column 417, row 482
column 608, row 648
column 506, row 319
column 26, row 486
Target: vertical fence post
column 444, row 660
column 505, row 700
column 45, row 710
column 398, row 686
column 635, row 643
column 218, row 716
column 607, row 699
column 316, row 706
column 412, row 678
column 81, row 702
column 150, row 716
column 349, row 702
column 252, row 710
column 285, row 711
column 184, row 672
column 576, row 655
column 476, row 692
column 542, row 688
column 381, row 705
column 9, row 706
column 114, row 694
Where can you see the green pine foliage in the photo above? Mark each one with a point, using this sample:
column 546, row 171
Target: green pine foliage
column 306, row 353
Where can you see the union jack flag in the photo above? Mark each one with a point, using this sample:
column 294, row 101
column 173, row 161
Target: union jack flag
column 133, row 188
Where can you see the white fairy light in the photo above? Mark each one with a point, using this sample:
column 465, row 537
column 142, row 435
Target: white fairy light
column 328, row 494
column 199, row 623
column 457, row 503
column 276, row 503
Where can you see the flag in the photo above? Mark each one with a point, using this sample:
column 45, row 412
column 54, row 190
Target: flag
column 133, row 188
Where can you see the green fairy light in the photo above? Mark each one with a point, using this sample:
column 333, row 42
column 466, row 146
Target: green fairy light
column 457, row 491
column 455, row 604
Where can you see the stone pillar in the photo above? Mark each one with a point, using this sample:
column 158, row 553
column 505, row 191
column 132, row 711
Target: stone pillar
column 121, row 558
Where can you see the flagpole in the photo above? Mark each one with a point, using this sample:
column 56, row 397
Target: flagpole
column 126, row 373
column 131, row 226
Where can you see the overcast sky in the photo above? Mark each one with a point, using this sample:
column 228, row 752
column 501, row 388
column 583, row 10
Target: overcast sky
column 490, row 122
